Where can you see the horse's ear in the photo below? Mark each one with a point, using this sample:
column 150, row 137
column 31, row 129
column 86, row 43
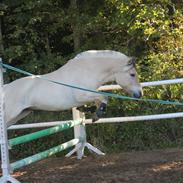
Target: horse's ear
column 132, row 61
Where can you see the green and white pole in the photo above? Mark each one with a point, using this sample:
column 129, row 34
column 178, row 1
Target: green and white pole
column 44, row 154
column 43, row 133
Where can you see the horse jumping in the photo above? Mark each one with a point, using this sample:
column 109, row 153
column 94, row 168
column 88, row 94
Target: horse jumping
column 89, row 69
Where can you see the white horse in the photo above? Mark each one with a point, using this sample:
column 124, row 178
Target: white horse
column 89, row 69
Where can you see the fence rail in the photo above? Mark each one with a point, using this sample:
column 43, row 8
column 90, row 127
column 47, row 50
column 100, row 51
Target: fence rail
column 43, row 133
column 44, row 154
column 102, row 120
column 144, row 84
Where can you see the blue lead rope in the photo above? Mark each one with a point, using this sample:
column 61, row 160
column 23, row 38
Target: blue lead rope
column 107, row 94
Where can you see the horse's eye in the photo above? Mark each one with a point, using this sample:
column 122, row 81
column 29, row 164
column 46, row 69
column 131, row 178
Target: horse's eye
column 132, row 75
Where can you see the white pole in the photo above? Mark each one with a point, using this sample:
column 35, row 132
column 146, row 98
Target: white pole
column 137, row 118
column 102, row 120
column 37, row 125
column 144, row 84
column 162, row 82
column 5, row 164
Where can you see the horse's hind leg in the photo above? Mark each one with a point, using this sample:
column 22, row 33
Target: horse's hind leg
column 12, row 116
column 21, row 115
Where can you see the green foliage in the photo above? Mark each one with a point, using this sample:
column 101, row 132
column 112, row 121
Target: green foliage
column 39, row 36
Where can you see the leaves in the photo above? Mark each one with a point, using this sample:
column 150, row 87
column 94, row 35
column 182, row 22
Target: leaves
column 38, row 36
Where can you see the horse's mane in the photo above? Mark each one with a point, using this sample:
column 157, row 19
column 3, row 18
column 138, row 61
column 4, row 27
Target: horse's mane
column 100, row 54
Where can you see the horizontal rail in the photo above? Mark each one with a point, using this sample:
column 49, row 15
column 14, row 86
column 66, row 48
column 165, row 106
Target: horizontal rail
column 36, row 125
column 44, row 154
column 144, row 84
column 137, row 118
column 43, row 133
column 103, row 120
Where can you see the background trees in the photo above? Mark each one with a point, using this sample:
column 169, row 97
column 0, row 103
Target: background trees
column 41, row 35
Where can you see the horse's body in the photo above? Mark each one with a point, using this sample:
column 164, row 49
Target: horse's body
column 89, row 69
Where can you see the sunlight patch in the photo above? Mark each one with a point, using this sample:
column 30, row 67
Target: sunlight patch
column 168, row 166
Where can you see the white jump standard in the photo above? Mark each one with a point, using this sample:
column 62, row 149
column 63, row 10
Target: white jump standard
column 5, row 164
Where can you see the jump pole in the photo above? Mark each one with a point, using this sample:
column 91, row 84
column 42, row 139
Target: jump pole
column 43, row 133
column 144, row 84
column 137, row 118
column 44, row 154
column 5, row 164
column 102, row 120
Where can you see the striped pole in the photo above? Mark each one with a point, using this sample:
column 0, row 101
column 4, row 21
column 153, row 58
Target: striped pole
column 44, row 154
column 43, row 133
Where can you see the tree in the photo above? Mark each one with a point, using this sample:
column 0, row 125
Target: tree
column 2, row 8
column 40, row 36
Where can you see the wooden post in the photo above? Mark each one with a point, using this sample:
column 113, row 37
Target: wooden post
column 1, row 36
column 75, row 24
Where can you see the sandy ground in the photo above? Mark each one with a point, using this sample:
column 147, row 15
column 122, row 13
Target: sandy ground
column 134, row 167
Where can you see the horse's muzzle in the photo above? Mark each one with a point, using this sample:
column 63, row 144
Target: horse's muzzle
column 137, row 94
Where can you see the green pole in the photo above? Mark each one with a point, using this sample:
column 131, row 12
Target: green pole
column 44, row 154
column 42, row 133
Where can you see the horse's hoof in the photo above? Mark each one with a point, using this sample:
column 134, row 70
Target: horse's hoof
column 102, row 109
column 99, row 113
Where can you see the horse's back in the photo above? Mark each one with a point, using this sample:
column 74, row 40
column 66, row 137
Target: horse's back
column 100, row 54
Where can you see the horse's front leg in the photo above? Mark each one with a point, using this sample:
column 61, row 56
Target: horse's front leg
column 101, row 106
column 100, row 102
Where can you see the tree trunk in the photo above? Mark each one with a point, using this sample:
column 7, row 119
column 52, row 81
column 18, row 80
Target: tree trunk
column 47, row 45
column 76, row 25
column 1, row 39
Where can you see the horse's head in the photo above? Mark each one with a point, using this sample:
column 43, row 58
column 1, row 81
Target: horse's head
column 126, row 76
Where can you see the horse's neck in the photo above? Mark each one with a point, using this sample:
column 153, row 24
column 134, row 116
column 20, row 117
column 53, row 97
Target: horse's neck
column 92, row 72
